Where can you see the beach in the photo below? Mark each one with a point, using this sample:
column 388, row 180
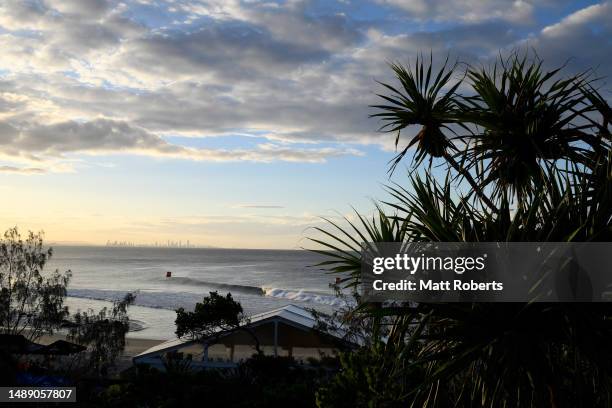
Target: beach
column 261, row 280
column 133, row 347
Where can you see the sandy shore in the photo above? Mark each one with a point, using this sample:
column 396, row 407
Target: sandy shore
column 132, row 347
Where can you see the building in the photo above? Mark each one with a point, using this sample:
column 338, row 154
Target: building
column 289, row 331
column 18, row 344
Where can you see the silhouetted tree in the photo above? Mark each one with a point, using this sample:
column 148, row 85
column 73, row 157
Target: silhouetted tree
column 31, row 301
column 103, row 333
column 525, row 156
column 216, row 314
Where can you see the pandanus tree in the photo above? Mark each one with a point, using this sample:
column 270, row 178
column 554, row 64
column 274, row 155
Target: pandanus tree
column 528, row 158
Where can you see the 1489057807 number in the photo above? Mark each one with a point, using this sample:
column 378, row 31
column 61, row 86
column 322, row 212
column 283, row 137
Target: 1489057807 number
column 38, row 394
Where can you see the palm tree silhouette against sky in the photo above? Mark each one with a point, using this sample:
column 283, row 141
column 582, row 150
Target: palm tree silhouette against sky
column 534, row 148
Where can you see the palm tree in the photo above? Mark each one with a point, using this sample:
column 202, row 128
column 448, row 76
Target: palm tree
column 518, row 119
column 535, row 147
column 424, row 101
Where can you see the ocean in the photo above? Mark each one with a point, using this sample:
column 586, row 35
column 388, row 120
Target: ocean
column 260, row 279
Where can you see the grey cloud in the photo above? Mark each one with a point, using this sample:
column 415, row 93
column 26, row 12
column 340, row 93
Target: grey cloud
column 252, row 40
column 582, row 40
column 7, row 133
column 24, row 11
column 325, row 102
column 82, row 8
column 236, row 74
column 226, row 50
column 467, row 10
column 67, row 29
column 295, row 20
column 74, row 136
column 282, row 73
column 110, row 137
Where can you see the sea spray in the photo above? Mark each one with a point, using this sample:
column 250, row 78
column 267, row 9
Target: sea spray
column 304, row 296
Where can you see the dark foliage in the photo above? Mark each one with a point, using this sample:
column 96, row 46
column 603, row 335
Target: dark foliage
column 31, row 301
column 103, row 333
column 214, row 313
column 530, row 162
column 259, row 382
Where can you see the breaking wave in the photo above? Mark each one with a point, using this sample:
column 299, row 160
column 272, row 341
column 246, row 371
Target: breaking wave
column 155, row 300
column 299, row 295
column 171, row 299
column 304, row 296
column 255, row 290
column 137, row 325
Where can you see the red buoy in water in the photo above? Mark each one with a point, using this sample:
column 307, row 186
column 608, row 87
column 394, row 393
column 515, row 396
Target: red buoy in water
column 168, row 274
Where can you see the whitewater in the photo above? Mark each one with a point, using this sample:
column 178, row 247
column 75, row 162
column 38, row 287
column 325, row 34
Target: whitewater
column 260, row 279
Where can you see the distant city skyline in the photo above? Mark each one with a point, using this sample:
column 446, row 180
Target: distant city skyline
column 156, row 244
column 231, row 123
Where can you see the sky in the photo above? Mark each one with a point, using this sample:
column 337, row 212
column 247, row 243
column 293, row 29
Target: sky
column 231, row 123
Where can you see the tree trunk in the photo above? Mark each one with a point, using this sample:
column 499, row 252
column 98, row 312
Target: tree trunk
column 467, row 176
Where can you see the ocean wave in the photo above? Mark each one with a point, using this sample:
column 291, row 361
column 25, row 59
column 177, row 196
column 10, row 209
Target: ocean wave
column 154, row 300
column 299, row 295
column 137, row 325
column 171, row 300
column 255, row 290
column 304, row 296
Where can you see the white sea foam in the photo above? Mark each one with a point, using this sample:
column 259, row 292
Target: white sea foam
column 103, row 274
column 172, row 300
column 303, row 296
column 156, row 300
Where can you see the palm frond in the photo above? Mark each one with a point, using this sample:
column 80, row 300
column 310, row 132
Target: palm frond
column 421, row 100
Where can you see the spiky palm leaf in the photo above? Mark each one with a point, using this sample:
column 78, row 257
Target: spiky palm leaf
column 539, row 143
column 422, row 100
column 343, row 244
column 601, row 105
column 502, row 354
column 430, row 101
column 527, row 117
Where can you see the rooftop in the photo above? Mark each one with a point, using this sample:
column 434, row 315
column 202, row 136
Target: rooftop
column 291, row 313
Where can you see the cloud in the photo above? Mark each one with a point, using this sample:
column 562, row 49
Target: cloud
column 581, row 39
column 236, row 230
column 294, row 20
column 519, row 11
column 258, row 206
column 21, row 170
column 108, row 77
column 213, row 50
column 580, row 20
column 43, row 142
column 81, row 8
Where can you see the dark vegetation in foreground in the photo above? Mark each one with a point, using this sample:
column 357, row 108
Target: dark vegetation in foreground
column 32, row 306
column 262, row 381
column 525, row 155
